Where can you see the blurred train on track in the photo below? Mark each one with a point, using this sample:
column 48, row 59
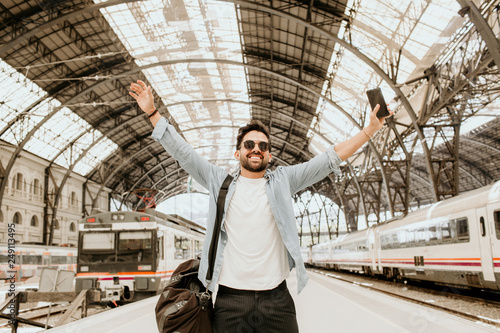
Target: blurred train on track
column 131, row 255
column 453, row 242
column 30, row 258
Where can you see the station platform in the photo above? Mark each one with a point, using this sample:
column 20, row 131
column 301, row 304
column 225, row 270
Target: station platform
column 325, row 305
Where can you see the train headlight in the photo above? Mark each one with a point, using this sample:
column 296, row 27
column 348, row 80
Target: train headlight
column 114, row 217
column 121, row 217
column 153, row 280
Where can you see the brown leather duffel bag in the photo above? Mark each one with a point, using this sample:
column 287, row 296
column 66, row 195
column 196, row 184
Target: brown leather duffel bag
column 185, row 306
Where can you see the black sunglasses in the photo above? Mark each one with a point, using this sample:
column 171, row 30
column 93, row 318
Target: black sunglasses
column 263, row 146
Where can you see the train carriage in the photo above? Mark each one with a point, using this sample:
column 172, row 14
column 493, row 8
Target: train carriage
column 131, row 255
column 350, row 252
column 453, row 242
column 29, row 259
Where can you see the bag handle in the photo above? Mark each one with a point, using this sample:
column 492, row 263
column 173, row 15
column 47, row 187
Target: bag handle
column 217, row 226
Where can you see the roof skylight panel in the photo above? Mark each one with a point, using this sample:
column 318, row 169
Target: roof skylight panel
column 17, row 93
column 73, row 152
column 51, row 134
column 43, row 149
column 20, row 129
column 95, row 156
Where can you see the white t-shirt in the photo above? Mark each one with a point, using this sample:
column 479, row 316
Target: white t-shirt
column 255, row 257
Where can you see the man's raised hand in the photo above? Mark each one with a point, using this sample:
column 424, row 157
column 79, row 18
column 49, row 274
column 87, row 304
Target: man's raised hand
column 143, row 95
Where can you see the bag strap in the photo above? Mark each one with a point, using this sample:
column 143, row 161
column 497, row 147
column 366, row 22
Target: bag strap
column 217, row 226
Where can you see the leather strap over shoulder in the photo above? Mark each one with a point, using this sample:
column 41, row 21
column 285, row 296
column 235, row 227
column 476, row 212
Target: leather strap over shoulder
column 217, row 226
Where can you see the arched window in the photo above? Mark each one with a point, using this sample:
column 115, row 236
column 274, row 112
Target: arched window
column 56, row 224
column 17, row 219
column 34, row 221
column 72, row 227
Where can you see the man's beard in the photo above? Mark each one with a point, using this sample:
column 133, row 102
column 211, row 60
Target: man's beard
column 246, row 164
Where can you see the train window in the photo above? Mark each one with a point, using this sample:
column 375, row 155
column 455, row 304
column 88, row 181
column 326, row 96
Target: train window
column 135, row 240
column 385, row 241
column 402, row 241
column 394, row 240
column 99, row 241
column 197, row 248
column 4, row 259
column 433, row 234
column 182, row 245
column 410, row 236
column 160, row 247
column 446, row 231
column 32, row 260
column 462, row 229
column 497, row 222
column 58, row 260
column 421, row 237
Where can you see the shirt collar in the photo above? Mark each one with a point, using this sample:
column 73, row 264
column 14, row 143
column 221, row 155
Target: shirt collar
column 237, row 173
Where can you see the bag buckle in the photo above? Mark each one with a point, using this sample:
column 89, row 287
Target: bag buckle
column 204, row 299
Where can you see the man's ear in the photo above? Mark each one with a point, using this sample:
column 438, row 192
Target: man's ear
column 237, row 155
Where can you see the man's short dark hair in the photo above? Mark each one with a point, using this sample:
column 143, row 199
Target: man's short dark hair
column 253, row 125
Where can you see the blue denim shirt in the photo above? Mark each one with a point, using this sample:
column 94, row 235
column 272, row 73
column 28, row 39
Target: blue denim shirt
column 281, row 184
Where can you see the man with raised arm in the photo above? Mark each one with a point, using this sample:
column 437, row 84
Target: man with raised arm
column 259, row 244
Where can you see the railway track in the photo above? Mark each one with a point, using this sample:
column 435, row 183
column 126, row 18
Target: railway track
column 364, row 281
column 37, row 313
column 41, row 312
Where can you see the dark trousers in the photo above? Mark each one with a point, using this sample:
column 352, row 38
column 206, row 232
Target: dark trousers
column 248, row 311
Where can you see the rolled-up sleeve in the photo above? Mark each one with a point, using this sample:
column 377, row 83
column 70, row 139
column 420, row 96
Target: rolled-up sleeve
column 159, row 129
column 335, row 160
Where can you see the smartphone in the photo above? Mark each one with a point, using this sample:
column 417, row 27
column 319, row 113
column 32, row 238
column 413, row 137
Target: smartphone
column 375, row 97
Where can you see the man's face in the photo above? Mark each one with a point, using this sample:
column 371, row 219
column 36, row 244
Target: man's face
column 253, row 160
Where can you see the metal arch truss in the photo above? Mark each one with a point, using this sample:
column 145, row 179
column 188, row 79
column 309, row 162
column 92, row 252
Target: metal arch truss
column 316, row 211
column 464, row 81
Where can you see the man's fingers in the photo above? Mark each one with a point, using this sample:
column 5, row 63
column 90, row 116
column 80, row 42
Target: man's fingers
column 142, row 84
column 135, row 87
column 134, row 95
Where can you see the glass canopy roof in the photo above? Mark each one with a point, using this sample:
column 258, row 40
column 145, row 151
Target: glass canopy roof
column 48, row 141
column 161, row 35
column 196, row 93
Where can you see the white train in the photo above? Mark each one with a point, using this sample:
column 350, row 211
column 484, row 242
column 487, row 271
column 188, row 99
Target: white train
column 131, row 255
column 454, row 242
column 26, row 259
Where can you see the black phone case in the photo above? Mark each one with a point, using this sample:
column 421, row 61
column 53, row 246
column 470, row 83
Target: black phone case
column 375, row 97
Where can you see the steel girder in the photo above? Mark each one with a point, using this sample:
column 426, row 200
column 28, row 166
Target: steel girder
column 463, row 81
column 20, row 34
